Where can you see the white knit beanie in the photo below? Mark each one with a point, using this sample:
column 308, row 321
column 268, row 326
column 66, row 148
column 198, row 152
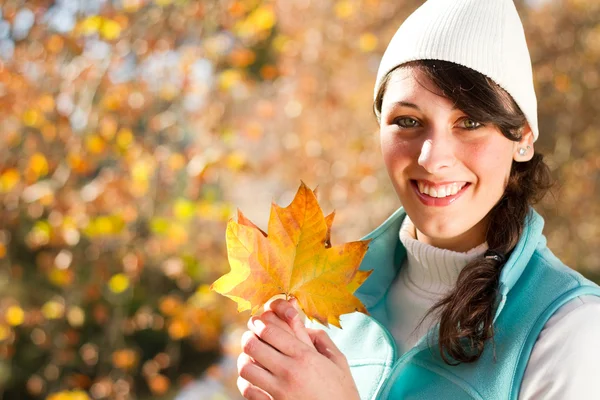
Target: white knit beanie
column 484, row 35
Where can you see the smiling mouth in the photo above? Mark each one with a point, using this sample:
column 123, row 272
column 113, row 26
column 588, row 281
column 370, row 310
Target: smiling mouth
column 440, row 191
column 439, row 195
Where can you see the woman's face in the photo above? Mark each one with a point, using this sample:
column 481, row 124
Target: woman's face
column 448, row 170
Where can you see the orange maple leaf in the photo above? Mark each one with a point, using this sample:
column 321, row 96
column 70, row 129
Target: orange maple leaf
column 296, row 259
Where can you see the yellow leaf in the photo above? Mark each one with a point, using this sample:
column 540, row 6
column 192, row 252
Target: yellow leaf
column 159, row 225
column 110, row 29
column 228, row 78
column 91, row 25
column 344, row 9
column 184, row 209
column 53, row 309
column 60, row 277
column 95, row 144
column 38, row 165
column 4, row 332
column 32, row 118
column 14, row 316
column 367, row 42
column 263, row 18
column 124, row 138
column 9, row 179
column 118, row 283
column 295, row 259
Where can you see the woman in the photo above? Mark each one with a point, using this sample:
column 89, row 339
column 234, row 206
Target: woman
column 464, row 256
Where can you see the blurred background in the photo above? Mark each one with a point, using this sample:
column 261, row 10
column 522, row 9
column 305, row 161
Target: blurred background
column 131, row 130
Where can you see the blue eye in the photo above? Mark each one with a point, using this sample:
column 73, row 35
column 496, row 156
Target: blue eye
column 406, row 122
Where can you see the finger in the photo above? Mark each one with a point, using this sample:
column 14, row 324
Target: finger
column 271, row 317
column 269, row 358
column 326, row 347
column 287, row 312
column 278, row 338
column 251, row 392
column 253, row 373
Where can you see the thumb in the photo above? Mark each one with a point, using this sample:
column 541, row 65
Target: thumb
column 326, row 347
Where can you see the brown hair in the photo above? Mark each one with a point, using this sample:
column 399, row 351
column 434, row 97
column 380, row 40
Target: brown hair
column 466, row 314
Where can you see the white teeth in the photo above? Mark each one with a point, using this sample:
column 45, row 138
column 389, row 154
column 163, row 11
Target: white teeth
column 440, row 191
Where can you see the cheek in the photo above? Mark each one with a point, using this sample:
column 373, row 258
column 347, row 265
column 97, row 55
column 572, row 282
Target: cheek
column 491, row 163
column 396, row 153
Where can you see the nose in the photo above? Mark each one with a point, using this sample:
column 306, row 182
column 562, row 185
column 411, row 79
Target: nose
column 436, row 154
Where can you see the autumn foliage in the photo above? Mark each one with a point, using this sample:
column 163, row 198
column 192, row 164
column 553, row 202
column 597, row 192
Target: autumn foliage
column 131, row 131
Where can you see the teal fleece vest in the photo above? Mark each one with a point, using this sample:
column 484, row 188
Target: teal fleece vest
column 533, row 285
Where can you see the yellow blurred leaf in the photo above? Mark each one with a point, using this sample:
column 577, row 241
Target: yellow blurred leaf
column 367, row 42
column 263, row 18
column 344, row 9
column 159, row 225
column 229, row 78
column 183, row 209
column 32, row 118
column 4, row 332
column 53, row 309
column 141, row 171
column 105, row 225
column 91, row 24
column 95, row 144
column 118, row 283
column 14, row 316
column 177, row 233
column 61, row 277
column 110, row 29
column 38, row 165
column 235, row 161
column 124, row 138
column 9, row 179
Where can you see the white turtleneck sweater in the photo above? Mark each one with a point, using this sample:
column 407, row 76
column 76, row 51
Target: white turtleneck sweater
column 565, row 359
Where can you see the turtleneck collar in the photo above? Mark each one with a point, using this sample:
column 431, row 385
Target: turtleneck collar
column 430, row 269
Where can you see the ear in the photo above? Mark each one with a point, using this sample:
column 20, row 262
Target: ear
column 526, row 143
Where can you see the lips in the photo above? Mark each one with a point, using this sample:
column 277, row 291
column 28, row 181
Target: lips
column 437, row 201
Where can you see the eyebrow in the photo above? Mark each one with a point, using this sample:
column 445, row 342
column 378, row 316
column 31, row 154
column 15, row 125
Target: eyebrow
column 413, row 105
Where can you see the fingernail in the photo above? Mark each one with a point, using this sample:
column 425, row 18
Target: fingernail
column 291, row 313
column 259, row 324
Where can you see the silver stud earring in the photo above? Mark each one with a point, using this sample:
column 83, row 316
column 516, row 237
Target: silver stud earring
column 523, row 150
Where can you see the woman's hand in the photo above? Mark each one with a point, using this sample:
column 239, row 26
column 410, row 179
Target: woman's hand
column 283, row 360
